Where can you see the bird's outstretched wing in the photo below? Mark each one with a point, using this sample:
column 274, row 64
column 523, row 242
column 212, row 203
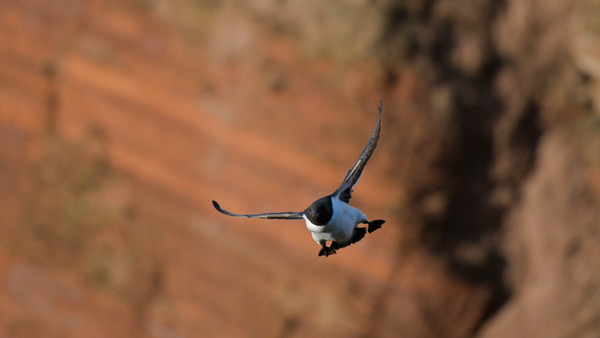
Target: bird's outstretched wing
column 345, row 190
column 269, row 215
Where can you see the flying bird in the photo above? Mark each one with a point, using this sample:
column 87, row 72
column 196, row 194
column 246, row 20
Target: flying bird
column 331, row 218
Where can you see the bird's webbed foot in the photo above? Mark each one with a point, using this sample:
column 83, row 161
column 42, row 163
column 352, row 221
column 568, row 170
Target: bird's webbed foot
column 374, row 225
column 325, row 251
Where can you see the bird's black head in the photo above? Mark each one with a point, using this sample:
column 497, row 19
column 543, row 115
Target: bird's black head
column 320, row 211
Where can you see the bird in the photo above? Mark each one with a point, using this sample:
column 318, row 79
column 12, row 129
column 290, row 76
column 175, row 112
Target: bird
column 331, row 218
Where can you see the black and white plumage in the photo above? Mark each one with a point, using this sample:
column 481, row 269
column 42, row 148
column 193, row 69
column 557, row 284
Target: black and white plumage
column 331, row 218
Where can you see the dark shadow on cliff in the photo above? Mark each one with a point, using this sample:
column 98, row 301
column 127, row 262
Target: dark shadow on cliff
column 466, row 232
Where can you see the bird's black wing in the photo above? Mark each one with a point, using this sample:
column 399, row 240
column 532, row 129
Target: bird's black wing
column 345, row 190
column 269, row 215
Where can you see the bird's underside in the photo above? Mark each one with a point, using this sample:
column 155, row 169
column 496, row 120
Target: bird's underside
column 358, row 234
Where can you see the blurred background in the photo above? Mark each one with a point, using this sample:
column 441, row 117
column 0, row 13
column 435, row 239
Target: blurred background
column 120, row 121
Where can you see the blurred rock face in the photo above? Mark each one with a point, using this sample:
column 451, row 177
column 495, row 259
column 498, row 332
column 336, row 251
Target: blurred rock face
column 120, row 122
